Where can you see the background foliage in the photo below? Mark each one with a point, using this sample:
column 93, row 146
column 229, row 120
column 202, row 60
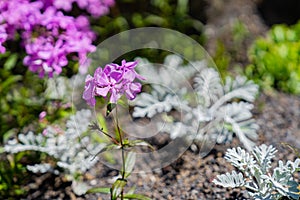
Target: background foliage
column 275, row 59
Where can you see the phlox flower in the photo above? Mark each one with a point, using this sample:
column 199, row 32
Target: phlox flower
column 3, row 37
column 113, row 81
column 49, row 35
column 60, row 36
column 96, row 8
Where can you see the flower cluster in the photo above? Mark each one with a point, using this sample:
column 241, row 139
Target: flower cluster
column 96, row 8
column 49, row 36
column 114, row 81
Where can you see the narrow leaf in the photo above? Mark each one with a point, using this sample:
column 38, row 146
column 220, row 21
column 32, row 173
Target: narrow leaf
column 99, row 190
column 136, row 196
column 134, row 143
column 129, row 163
column 107, row 148
column 11, row 62
column 131, row 191
column 117, row 188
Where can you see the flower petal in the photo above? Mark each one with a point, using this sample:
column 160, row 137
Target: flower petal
column 102, row 91
column 88, row 94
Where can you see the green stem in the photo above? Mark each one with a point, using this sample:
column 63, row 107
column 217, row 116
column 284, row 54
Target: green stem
column 96, row 127
column 110, row 137
column 122, row 149
column 123, row 172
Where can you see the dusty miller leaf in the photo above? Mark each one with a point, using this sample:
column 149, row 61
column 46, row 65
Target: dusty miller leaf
column 240, row 158
column 208, row 86
column 239, row 117
column 215, row 105
column 71, row 148
column 263, row 154
column 260, row 181
column 241, row 88
column 232, row 180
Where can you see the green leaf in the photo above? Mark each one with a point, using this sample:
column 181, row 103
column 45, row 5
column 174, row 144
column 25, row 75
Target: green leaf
column 155, row 20
column 123, row 102
column 131, row 191
column 102, row 123
column 107, row 148
column 136, row 196
column 129, row 163
column 117, row 188
column 182, row 7
column 99, row 190
column 294, row 189
column 110, row 147
column 134, row 143
column 9, row 81
column 2, row 150
column 11, row 61
column 109, row 108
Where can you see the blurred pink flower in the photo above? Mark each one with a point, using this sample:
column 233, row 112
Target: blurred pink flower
column 50, row 36
column 45, row 132
column 42, row 115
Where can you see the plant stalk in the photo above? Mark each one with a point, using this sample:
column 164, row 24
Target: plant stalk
column 122, row 149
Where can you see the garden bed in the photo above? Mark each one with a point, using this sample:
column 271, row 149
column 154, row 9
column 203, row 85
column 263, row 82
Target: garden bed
column 190, row 177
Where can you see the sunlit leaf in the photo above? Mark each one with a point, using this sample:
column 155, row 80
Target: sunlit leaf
column 108, row 147
column 99, row 190
column 136, row 143
column 129, row 163
column 11, row 61
column 117, row 188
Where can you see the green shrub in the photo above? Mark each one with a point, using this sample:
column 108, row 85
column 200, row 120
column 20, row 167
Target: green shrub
column 129, row 14
column 12, row 176
column 24, row 96
column 19, row 89
column 275, row 59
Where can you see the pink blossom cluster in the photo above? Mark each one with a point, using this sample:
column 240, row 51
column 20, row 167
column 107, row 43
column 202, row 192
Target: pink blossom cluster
column 96, row 8
column 49, row 36
column 113, row 81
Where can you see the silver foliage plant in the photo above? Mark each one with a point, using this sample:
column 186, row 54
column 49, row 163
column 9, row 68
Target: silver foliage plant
column 209, row 109
column 65, row 89
column 258, row 177
column 72, row 148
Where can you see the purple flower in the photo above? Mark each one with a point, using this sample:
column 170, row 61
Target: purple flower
column 114, row 81
column 63, row 4
column 50, row 37
column 96, row 8
column 42, row 115
column 45, row 132
column 89, row 91
column 45, row 56
column 3, row 37
column 61, row 36
column 132, row 89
